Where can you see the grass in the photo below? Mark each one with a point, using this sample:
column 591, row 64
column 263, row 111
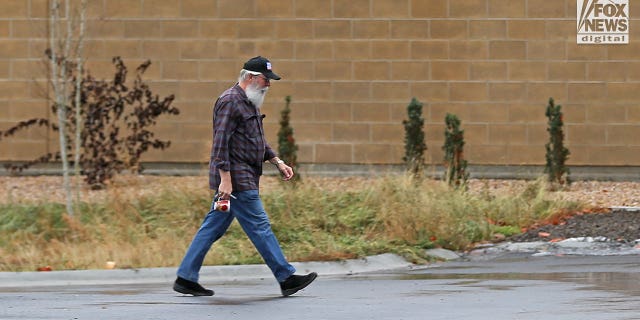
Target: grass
column 314, row 220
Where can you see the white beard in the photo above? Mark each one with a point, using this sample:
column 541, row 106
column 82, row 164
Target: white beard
column 256, row 95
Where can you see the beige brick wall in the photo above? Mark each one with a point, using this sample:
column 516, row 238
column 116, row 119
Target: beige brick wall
column 351, row 67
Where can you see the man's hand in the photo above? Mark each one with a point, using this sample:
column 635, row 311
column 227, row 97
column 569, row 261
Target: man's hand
column 225, row 189
column 286, row 171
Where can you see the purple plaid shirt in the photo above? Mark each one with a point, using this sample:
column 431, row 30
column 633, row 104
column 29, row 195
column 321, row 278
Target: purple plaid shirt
column 239, row 145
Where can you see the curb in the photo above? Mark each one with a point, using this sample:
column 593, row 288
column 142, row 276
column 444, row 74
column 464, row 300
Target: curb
column 207, row 274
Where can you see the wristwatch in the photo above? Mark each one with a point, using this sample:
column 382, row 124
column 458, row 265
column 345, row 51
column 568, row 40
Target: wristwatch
column 279, row 162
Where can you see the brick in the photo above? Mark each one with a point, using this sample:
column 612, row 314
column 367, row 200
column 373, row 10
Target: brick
column 371, row 29
column 351, row 8
column 612, row 155
column 23, row 110
column 449, row 29
column 545, row 9
column 27, row 69
column 316, row 91
column 123, row 8
column 624, row 52
column 314, row 9
column 12, row 49
column 27, row 150
column 546, row 50
column 606, row 114
column 566, row 70
column 409, row 29
column 587, row 92
column 507, row 8
column 160, row 50
column 236, row 8
column 14, row 90
column 229, row 49
column 194, row 112
column 483, row 70
column 573, row 112
column 127, row 49
column 607, row 71
column 29, row 29
column 468, row 91
column 579, row 155
column 314, row 49
column 542, row 91
column 509, row 91
column 633, row 113
column 351, row 91
column 40, row 8
column 333, row 70
column 352, row 50
column 294, row 29
column 366, row 70
column 449, row 70
column 561, row 29
column 198, row 8
column 527, row 71
column 198, row 50
column 5, row 70
column 537, row 134
column 440, row 110
column 314, row 132
column 305, row 154
column 371, row 112
column 196, row 90
column 332, row 29
column 467, row 8
column 429, row 9
column 582, row 52
column 507, row 50
column 619, row 92
column 161, row 8
column 409, row 70
column 275, row 49
column 390, row 91
column 143, row 29
column 390, row 8
column 5, row 29
column 390, row 49
column 431, row 91
column 332, row 112
column 526, row 29
column 14, row 9
column 389, row 133
column 334, row 153
column 468, row 50
column 294, row 70
column 490, row 113
column 194, row 132
column 507, row 134
column 475, row 134
column 372, row 153
column 486, row 154
column 527, row 113
column 180, row 29
column 430, row 49
column 487, row 29
column 179, row 70
column 525, row 154
column 351, row 132
column 275, row 8
column 106, row 29
column 581, row 134
column 219, row 29
column 625, row 135
column 256, row 29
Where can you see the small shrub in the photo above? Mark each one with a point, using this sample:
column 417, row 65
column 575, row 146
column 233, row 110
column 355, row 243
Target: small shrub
column 456, row 167
column 414, row 144
column 557, row 154
column 287, row 148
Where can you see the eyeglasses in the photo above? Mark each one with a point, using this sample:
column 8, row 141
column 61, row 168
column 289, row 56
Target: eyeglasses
column 263, row 78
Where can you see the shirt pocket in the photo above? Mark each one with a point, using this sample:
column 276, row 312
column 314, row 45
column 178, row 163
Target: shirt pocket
column 250, row 126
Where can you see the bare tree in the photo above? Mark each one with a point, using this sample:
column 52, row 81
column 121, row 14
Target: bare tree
column 61, row 69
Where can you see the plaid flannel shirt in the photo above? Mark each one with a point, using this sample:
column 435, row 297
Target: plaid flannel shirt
column 239, row 145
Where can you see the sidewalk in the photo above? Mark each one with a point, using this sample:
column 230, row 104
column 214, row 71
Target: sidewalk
column 207, row 273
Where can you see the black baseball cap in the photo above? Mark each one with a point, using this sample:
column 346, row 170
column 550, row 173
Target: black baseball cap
column 262, row 65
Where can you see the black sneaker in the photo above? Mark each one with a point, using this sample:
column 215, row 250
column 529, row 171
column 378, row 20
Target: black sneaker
column 295, row 283
column 189, row 287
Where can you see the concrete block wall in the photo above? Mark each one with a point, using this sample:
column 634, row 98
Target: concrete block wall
column 351, row 67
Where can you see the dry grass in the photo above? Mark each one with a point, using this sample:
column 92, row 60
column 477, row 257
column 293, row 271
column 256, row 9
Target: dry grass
column 143, row 221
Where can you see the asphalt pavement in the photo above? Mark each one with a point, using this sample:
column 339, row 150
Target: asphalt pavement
column 505, row 286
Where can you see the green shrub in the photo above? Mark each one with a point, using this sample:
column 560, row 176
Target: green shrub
column 414, row 140
column 557, row 154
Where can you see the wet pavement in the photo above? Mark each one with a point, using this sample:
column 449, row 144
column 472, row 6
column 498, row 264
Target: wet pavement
column 515, row 286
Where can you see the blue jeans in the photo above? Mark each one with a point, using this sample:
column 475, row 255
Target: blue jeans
column 248, row 209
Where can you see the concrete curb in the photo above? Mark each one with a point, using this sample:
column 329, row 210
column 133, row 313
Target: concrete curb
column 207, row 274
